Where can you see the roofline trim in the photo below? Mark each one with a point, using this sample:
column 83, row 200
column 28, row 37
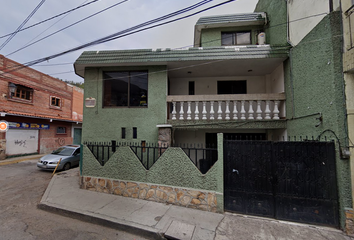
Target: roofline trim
column 199, row 27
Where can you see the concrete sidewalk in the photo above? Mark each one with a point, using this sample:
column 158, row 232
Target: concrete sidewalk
column 160, row 221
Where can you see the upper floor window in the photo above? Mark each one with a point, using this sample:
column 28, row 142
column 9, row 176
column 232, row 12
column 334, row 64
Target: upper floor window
column 23, row 93
column 55, row 101
column 125, row 89
column 235, row 38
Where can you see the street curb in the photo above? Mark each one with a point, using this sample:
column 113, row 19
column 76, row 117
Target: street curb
column 146, row 233
column 7, row 162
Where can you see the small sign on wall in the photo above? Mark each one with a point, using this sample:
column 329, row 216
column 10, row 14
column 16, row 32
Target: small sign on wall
column 90, row 102
column 28, row 125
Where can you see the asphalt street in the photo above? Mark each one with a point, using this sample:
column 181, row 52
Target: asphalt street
column 21, row 188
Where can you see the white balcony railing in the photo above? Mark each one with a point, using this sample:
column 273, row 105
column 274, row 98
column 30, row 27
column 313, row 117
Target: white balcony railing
column 227, row 107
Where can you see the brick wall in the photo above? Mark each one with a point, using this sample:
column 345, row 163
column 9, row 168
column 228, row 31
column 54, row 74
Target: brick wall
column 49, row 140
column 39, row 109
column 78, row 103
column 44, row 87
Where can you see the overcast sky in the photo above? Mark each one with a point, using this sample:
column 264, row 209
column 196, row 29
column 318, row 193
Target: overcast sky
column 127, row 14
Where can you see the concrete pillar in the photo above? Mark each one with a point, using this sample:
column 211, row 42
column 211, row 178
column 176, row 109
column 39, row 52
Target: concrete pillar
column 165, row 135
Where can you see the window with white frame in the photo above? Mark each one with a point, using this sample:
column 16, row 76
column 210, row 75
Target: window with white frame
column 235, row 38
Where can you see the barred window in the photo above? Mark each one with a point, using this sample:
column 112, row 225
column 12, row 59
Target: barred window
column 61, row 130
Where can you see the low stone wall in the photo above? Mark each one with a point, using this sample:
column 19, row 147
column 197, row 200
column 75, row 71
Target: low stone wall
column 349, row 222
column 191, row 198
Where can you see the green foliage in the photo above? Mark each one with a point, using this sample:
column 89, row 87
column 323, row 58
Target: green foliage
column 77, row 84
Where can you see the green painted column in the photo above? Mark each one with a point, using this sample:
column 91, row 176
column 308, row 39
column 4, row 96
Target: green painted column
column 220, row 174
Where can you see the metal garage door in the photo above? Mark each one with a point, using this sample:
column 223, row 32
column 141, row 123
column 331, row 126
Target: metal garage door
column 21, row 141
column 293, row 181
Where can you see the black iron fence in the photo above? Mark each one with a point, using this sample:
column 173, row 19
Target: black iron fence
column 203, row 157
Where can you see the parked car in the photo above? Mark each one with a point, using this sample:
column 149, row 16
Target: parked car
column 69, row 155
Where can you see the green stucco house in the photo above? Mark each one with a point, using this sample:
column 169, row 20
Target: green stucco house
column 157, row 121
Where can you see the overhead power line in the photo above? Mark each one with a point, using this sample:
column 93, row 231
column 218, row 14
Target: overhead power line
column 21, row 25
column 62, row 29
column 53, row 56
column 52, row 25
column 130, row 31
column 51, row 18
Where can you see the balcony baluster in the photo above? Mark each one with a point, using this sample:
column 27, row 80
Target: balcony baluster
column 189, row 112
column 235, row 111
column 181, row 112
column 196, row 112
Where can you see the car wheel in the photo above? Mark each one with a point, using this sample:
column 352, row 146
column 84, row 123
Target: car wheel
column 66, row 166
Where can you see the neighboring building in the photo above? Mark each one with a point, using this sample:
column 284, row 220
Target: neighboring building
column 43, row 112
column 348, row 69
column 275, row 74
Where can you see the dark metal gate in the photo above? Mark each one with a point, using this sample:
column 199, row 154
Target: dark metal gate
column 284, row 180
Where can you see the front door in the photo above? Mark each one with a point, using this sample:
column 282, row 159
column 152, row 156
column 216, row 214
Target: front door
column 77, row 136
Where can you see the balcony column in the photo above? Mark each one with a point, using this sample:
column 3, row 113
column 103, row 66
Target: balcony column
column 204, row 111
column 174, row 111
column 276, row 110
column 227, row 111
column 267, row 110
column 259, row 110
column 181, row 112
column 219, row 111
column 243, row 112
column 196, row 112
column 235, row 111
column 189, row 112
column 250, row 110
column 211, row 110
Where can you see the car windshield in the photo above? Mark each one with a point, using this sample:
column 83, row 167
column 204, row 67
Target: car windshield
column 63, row 151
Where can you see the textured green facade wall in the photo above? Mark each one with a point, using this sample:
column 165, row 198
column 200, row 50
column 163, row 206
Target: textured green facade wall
column 212, row 37
column 314, row 83
column 173, row 168
column 276, row 29
column 104, row 124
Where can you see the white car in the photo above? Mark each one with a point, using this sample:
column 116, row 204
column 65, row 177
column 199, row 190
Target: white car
column 69, row 155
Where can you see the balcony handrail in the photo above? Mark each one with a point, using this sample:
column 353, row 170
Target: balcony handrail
column 227, row 97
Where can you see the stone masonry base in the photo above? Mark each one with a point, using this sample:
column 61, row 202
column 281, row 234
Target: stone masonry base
column 349, row 222
column 197, row 199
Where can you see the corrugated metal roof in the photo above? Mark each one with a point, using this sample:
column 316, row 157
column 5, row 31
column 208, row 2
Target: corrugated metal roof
column 234, row 18
column 191, row 54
